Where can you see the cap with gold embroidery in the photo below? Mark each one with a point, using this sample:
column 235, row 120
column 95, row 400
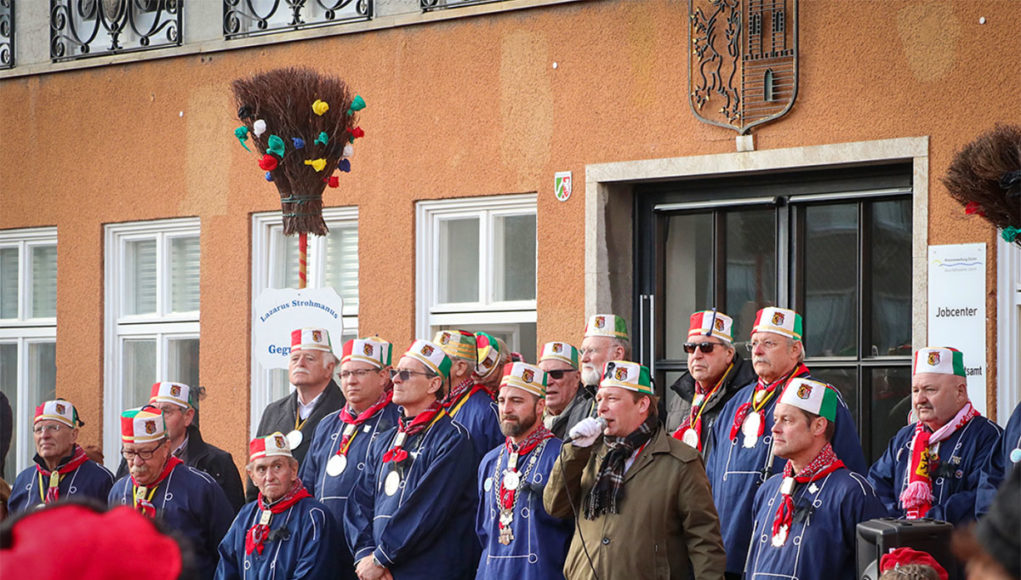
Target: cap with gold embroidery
column 941, row 360
column 372, row 350
column 812, row 396
column 525, row 376
column 458, row 343
column 627, row 375
column 60, row 411
column 560, row 351
column 711, row 323
column 269, row 446
column 142, row 425
column 431, row 355
column 609, row 325
column 311, row 339
column 778, row 321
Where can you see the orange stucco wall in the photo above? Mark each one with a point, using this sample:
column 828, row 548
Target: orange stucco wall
column 471, row 106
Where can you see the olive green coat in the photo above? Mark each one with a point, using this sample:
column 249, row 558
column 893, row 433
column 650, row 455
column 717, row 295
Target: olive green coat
column 666, row 517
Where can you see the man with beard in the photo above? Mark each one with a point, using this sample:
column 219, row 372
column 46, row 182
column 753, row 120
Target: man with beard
column 469, row 403
column 741, row 457
column 410, row 514
column 519, row 539
column 806, row 519
column 286, row 532
column 715, row 373
column 931, row 469
column 162, row 486
column 61, row 467
column 606, row 339
column 566, row 402
column 179, row 404
column 310, row 368
column 339, row 454
column 640, row 498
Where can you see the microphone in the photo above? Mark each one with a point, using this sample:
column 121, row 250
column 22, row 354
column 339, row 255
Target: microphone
column 602, row 426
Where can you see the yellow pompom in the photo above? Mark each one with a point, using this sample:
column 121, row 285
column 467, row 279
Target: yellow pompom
column 317, row 164
column 320, row 107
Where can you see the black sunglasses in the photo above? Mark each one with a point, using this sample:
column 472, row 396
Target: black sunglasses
column 706, row 347
column 405, row 374
column 559, row 373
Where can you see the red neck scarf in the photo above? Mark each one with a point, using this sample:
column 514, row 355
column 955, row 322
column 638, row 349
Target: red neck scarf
column 353, row 422
column 761, row 396
column 143, row 493
column 78, row 457
column 459, row 394
column 698, row 402
column 516, row 450
column 420, row 423
column 257, row 534
column 917, row 495
column 824, row 464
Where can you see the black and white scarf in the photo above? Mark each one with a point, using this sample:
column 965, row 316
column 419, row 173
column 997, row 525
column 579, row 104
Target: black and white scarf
column 609, row 486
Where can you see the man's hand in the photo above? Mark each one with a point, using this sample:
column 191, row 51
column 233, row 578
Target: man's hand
column 585, row 432
column 367, row 569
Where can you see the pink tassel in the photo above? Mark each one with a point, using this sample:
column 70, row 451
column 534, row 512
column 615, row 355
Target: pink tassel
column 916, row 493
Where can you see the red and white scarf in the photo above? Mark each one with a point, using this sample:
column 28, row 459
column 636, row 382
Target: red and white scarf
column 521, row 449
column 143, row 493
column 916, row 499
column 256, row 537
column 698, row 403
column 824, row 464
column 78, row 457
column 349, row 419
column 460, row 393
column 396, row 453
column 769, row 390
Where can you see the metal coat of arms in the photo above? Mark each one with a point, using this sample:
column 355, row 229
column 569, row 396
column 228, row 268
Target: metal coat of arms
column 743, row 69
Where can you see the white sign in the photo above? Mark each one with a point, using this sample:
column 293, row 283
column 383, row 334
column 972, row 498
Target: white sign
column 276, row 313
column 957, row 309
column 562, row 185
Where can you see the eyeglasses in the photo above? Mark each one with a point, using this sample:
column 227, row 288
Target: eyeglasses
column 706, row 347
column 765, row 344
column 559, row 373
column 405, row 374
column 359, row 373
column 588, row 351
column 40, row 429
column 146, row 455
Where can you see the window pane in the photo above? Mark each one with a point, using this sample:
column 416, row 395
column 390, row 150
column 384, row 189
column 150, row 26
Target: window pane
column 184, row 274
column 688, row 275
column 279, row 386
column 751, row 266
column 9, row 386
column 891, row 404
column 139, row 364
column 846, row 382
column 44, row 281
column 284, row 260
column 459, row 260
column 891, row 278
column 831, row 274
column 8, row 282
column 42, row 371
column 514, row 265
column 342, row 265
column 183, row 361
column 676, row 408
column 140, row 277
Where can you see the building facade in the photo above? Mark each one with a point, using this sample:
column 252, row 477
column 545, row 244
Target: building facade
column 135, row 231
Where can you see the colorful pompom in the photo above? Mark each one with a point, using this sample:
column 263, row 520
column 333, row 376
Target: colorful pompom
column 322, row 139
column 357, row 104
column 259, row 127
column 244, row 112
column 275, row 145
column 269, row 176
column 242, row 134
column 973, row 208
column 333, row 181
column 1010, row 233
column 299, row 143
column 344, row 165
column 356, row 133
column 317, row 164
column 320, row 107
column 268, row 162
column 348, row 150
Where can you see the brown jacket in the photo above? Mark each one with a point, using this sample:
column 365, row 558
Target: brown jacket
column 667, row 515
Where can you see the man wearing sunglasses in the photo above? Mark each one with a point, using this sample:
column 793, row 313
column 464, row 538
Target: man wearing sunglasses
column 411, row 514
column 339, row 453
column 606, row 339
column 566, row 401
column 61, row 467
column 162, row 487
column 715, row 372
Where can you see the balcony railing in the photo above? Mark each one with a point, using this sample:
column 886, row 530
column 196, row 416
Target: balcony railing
column 86, row 28
column 243, row 18
column 430, row 5
column 6, row 34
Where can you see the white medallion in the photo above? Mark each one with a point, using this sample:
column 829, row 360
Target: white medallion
column 294, row 439
column 750, row 428
column 1015, row 455
column 690, row 437
column 488, row 484
column 511, row 480
column 392, row 483
column 336, row 465
column 813, row 488
column 787, row 486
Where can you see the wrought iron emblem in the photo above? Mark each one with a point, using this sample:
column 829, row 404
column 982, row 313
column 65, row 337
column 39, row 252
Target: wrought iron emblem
column 743, row 68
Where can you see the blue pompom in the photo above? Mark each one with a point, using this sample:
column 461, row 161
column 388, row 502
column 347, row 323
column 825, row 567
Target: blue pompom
column 344, row 165
column 269, row 176
column 299, row 143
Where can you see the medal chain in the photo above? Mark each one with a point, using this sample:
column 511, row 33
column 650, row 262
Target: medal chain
column 498, row 489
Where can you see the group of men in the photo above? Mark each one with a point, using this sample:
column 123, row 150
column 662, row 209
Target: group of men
column 459, row 462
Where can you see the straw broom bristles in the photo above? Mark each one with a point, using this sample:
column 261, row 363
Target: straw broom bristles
column 283, row 99
column 985, row 177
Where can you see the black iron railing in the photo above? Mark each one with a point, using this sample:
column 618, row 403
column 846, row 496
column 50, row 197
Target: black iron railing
column 86, row 28
column 6, row 34
column 428, row 5
column 243, row 18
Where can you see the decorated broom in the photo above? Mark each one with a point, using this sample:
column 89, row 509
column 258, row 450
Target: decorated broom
column 985, row 177
column 302, row 123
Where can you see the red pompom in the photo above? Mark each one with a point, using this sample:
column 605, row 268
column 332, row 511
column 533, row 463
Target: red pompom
column 357, row 133
column 334, row 181
column 974, row 208
column 268, row 162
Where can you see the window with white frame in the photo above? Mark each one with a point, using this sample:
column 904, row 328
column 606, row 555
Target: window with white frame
column 332, row 261
column 476, row 263
column 28, row 332
column 152, row 314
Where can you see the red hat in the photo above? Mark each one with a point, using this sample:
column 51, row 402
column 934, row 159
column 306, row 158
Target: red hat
column 118, row 544
column 904, row 556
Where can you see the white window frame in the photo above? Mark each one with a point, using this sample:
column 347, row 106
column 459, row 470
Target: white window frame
column 430, row 314
column 264, row 226
column 1008, row 317
column 160, row 326
column 23, row 331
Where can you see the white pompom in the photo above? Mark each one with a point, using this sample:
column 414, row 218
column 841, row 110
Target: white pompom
column 259, row 127
column 348, row 150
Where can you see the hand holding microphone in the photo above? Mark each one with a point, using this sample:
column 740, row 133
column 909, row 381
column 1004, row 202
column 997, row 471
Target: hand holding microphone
column 585, row 432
